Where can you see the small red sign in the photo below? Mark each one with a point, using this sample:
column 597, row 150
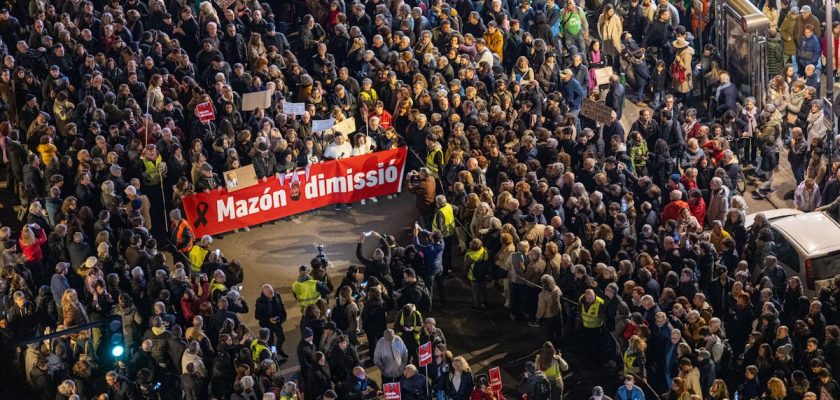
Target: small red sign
column 392, row 391
column 495, row 378
column 205, row 112
column 425, row 354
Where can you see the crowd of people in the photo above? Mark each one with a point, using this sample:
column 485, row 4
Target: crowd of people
column 630, row 240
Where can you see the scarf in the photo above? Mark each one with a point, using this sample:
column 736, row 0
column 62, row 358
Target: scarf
column 721, row 88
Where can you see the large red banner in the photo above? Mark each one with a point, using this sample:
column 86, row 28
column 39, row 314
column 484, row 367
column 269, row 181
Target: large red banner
column 341, row 181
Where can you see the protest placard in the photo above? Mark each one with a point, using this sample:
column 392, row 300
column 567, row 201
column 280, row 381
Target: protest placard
column 254, row 100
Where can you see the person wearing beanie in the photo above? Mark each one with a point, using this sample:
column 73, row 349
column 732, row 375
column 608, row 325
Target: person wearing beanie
column 182, row 234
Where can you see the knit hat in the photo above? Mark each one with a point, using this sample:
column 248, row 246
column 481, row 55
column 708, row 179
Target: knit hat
column 307, row 333
column 675, row 178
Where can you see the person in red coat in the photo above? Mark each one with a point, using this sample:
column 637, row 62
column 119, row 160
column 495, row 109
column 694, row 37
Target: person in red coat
column 672, row 210
column 697, row 205
column 31, row 239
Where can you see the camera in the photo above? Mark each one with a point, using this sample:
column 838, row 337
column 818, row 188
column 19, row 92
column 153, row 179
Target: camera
column 414, row 179
column 320, row 260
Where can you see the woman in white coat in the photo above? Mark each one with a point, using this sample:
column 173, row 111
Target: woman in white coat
column 610, row 29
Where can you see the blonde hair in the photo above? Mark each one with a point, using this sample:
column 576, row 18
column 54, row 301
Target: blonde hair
column 463, row 362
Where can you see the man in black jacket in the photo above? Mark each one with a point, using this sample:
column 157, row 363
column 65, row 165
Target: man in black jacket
column 379, row 265
column 271, row 313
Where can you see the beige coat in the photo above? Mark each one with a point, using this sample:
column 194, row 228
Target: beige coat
column 684, row 57
column 609, row 30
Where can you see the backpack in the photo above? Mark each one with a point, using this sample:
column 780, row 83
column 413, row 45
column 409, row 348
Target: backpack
column 677, row 72
column 481, row 270
column 340, row 317
column 725, row 359
column 425, row 300
column 572, row 25
column 542, row 390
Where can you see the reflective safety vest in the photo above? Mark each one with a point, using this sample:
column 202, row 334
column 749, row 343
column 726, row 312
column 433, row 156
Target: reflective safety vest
column 256, row 349
column 590, row 315
column 183, row 225
column 216, row 286
column 475, row 257
column 197, row 255
column 151, row 174
column 430, row 161
column 306, row 292
column 416, row 323
column 448, row 214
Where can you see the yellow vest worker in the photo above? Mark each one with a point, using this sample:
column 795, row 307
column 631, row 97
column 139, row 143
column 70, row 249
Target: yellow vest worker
column 434, row 158
column 152, row 161
column 591, row 314
column 305, row 288
column 197, row 255
column 257, row 348
column 474, row 257
column 444, row 220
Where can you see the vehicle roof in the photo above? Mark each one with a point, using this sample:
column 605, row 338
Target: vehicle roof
column 815, row 232
column 771, row 215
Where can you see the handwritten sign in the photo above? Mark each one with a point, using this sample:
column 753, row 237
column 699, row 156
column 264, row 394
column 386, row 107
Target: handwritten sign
column 320, row 125
column 425, row 354
column 254, row 100
column 294, row 108
column 392, row 391
column 205, row 112
column 495, row 378
column 346, row 127
column 596, row 111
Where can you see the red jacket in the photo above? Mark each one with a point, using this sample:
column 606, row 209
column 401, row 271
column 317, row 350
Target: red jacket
column 33, row 252
column 698, row 210
column 672, row 211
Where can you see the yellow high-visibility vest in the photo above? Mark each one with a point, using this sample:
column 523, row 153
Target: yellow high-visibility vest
column 475, row 256
column 256, row 349
column 430, row 161
column 197, row 255
column 448, row 228
column 306, row 292
column 590, row 315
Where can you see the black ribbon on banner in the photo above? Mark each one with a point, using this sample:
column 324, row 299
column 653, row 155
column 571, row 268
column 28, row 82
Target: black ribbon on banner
column 201, row 210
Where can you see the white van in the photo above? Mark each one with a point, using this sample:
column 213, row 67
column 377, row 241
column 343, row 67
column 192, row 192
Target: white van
column 806, row 244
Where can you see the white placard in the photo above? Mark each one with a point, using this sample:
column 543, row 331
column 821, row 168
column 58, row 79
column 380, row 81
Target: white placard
column 294, row 108
column 346, row 127
column 320, row 125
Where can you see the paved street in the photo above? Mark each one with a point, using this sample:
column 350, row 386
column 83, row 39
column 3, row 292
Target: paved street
column 272, row 253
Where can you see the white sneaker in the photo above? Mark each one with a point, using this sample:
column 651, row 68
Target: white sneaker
column 363, row 202
column 374, row 199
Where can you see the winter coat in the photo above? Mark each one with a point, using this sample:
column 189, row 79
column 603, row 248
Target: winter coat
column 775, row 56
column 609, row 29
column 391, row 356
column 788, row 32
column 718, row 205
column 809, row 51
column 683, row 57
